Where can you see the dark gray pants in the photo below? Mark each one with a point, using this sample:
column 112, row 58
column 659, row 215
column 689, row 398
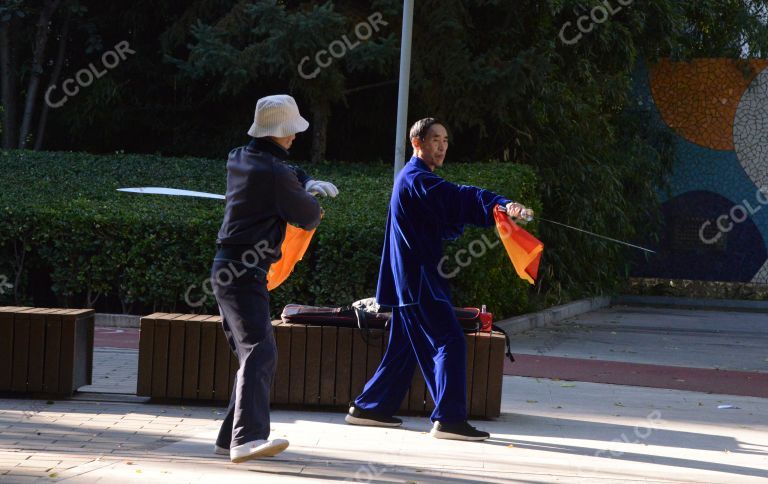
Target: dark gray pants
column 241, row 293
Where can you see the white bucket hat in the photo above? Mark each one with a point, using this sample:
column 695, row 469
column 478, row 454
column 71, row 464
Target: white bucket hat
column 277, row 116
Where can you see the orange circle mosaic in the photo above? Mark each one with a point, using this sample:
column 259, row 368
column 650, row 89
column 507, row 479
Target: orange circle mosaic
column 699, row 99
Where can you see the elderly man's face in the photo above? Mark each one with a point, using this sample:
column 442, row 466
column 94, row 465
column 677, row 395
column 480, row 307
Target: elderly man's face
column 285, row 141
column 433, row 147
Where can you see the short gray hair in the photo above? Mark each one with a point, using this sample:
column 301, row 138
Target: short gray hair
column 421, row 127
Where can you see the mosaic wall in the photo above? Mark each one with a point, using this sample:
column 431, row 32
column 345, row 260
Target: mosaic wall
column 716, row 215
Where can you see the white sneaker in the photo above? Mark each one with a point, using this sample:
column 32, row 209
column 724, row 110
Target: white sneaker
column 220, row 450
column 257, row 449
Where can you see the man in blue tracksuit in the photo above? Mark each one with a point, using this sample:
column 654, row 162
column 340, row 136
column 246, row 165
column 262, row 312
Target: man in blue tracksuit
column 424, row 211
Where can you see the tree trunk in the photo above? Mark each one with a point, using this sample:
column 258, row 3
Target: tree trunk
column 40, row 135
column 8, row 82
column 38, row 58
column 127, row 307
column 92, row 298
column 321, row 113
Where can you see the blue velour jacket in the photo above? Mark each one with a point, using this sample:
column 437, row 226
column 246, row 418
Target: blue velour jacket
column 424, row 211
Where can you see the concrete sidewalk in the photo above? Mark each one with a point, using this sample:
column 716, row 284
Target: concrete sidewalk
column 726, row 340
column 551, row 431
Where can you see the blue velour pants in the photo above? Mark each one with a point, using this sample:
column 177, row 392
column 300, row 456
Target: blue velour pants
column 241, row 293
column 429, row 334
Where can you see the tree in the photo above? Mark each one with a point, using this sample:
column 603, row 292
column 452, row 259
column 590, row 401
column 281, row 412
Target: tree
column 15, row 30
column 268, row 39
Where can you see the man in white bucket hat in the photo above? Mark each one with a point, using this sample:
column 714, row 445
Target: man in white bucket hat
column 263, row 195
column 277, row 118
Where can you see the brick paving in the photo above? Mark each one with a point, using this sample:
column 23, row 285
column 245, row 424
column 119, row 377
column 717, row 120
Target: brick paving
column 114, row 371
column 550, row 431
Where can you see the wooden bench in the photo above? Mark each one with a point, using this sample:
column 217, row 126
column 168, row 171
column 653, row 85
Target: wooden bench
column 187, row 357
column 45, row 351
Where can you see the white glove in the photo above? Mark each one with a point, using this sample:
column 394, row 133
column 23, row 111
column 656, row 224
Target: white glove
column 322, row 188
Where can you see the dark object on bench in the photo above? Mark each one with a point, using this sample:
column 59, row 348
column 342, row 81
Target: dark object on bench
column 354, row 317
column 186, row 357
column 45, row 351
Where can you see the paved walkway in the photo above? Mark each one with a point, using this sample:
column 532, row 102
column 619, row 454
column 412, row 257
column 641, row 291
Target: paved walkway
column 660, row 336
column 707, row 351
column 551, row 431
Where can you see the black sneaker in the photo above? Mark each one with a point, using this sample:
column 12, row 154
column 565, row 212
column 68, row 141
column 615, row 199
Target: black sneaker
column 358, row 416
column 458, row 431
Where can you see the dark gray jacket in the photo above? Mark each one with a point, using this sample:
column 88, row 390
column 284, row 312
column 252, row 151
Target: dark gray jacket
column 263, row 194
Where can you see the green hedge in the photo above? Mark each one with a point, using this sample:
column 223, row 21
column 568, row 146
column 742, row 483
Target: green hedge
column 64, row 225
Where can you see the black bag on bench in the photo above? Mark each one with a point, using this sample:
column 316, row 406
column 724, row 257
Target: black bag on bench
column 356, row 317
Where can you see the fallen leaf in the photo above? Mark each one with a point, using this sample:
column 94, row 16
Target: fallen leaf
column 567, row 385
column 511, row 445
column 531, row 401
column 53, row 476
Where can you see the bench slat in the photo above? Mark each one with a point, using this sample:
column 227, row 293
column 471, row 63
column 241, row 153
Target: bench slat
column 343, row 366
column 298, row 357
column 160, row 358
column 6, row 348
column 312, row 365
column 359, row 361
column 480, row 378
column 36, row 350
column 175, row 375
column 207, row 358
column 374, row 353
column 191, row 357
column 495, row 376
column 328, row 365
column 282, row 381
column 146, row 352
column 52, row 352
column 21, row 351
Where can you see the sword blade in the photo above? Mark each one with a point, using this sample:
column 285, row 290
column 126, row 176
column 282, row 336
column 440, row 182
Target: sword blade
column 596, row 235
column 171, row 191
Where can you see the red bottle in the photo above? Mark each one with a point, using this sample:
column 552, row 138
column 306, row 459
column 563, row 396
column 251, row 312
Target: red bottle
column 486, row 319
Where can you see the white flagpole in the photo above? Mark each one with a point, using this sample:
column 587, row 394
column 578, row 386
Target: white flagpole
column 405, row 83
